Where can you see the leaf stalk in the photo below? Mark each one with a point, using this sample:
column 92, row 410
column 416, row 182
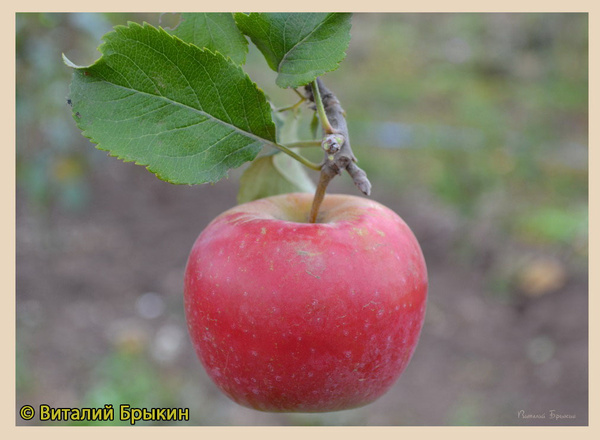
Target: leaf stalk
column 303, row 160
column 321, row 108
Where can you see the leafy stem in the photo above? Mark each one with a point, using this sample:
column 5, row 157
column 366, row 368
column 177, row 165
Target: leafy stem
column 234, row 128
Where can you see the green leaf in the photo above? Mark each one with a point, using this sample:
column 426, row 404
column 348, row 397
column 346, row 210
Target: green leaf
column 187, row 114
column 271, row 175
column 215, row 31
column 298, row 46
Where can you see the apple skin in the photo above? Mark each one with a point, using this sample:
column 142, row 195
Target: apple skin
column 288, row 316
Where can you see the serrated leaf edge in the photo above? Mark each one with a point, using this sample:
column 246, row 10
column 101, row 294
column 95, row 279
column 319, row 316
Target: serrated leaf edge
column 100, row 146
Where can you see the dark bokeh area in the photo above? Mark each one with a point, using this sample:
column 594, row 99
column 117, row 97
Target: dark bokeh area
column 472, row 127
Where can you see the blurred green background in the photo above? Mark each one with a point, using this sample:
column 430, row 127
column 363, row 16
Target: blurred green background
column 473, row 127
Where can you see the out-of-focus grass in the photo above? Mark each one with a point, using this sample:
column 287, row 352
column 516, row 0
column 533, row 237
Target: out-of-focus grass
column 473, row 105
column 114, row 384
column 130, row 377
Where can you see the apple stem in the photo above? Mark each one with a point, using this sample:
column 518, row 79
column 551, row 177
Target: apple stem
column 324, row 179
column 336, row 144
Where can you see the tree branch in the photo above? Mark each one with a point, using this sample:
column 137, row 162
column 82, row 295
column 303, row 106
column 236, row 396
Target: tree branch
column 336, row 144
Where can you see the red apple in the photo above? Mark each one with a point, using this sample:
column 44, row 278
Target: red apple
column 287, row 315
